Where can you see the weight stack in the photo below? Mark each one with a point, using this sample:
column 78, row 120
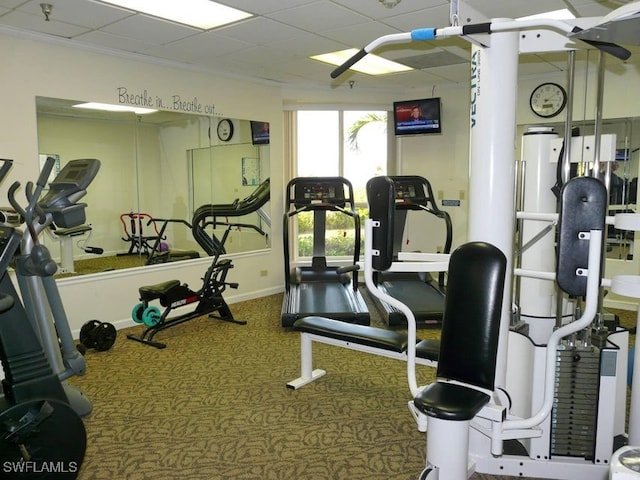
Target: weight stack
column 574, row 416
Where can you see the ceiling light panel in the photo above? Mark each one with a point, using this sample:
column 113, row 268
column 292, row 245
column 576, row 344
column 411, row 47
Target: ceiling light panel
column 114, row 108
column 203, row 14
column 370, row 64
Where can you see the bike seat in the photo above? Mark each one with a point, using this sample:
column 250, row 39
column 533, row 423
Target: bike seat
column 151, row 292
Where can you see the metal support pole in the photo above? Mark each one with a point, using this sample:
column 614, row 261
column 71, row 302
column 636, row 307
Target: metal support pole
column 494, row 86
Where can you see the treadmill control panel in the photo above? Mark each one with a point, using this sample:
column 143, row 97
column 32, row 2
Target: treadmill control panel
column 319, row 194
column 410, row 192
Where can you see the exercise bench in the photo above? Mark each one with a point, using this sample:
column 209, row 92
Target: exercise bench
column 377, row 341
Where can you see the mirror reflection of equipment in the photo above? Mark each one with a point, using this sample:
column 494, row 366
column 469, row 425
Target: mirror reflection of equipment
column 139, row 175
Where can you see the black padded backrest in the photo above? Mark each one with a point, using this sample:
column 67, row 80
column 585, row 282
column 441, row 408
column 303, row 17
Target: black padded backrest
column 381, row 198
column 471, row 320
column 583, row 207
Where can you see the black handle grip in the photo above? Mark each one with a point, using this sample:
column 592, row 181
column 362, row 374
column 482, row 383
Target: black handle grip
column 6, row 166
column 46, row 171
column 347, row 269
column 348, row 64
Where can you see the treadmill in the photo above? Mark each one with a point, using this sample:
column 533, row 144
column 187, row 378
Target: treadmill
column 421, row 292
column 217, row 215
column 319, row 289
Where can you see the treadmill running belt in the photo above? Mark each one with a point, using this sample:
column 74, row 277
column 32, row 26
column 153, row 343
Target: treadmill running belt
column 332, row 300
column 424, row 299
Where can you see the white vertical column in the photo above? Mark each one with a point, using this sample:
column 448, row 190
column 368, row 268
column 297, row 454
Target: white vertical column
column 494, row 72
column 537, row 296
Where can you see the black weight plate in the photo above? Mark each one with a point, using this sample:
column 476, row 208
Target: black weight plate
column 87, row 336
column 105, row 336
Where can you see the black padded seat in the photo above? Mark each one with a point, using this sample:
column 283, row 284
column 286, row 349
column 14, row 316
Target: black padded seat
column 72, row 231
column 348, row 332
column 151, row 292
column 469, row 338
column 182, row 254
column 428, row 349
column 450, row 401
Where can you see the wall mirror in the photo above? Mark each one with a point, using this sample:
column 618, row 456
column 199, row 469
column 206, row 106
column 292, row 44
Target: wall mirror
column 157, row 171
column 620, row 176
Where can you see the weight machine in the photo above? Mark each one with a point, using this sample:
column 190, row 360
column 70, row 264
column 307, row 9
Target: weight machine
column 525, row 398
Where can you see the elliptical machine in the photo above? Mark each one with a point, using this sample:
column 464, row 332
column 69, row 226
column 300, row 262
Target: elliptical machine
column 36, row 346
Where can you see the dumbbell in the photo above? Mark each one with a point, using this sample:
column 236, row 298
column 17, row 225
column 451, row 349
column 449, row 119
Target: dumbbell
column 98, row 335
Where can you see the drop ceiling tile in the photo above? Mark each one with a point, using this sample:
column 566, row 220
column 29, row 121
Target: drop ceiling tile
column 197, row 47
column 375, row 10
column 150, row 30
column 307, row 45
column 84, row 13
column 108, row 40
column 11, row 3
column 314, row 16
column 36, row 23
column 259, row 31
column 354, row 34
column 511, row 9
column 432, row 17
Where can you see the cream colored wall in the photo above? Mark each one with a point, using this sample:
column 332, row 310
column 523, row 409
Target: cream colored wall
column 443, row 160
column 32, row 68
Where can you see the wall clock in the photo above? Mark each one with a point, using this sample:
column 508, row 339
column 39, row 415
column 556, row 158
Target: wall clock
column 225, row 129
column 548, row 100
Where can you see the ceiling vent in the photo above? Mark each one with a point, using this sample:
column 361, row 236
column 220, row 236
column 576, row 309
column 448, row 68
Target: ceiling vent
column 440, row 58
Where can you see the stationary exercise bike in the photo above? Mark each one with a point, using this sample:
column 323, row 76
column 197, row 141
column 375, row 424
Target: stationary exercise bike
column 41, row 430
column 173, row 294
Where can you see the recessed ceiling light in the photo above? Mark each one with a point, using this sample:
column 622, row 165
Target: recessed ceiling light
column 203, row 14
column 114, row 108
column 370, row 64
column 563, row 14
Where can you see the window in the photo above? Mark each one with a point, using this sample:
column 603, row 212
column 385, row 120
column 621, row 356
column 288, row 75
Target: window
column 350, row 144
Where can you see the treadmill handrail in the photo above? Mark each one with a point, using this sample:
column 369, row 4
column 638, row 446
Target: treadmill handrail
column 250, row 204
column 257, row 199
column 427, row 204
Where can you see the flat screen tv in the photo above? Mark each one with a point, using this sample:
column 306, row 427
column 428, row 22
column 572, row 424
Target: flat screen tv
column 259, row 133
column 417, row 117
